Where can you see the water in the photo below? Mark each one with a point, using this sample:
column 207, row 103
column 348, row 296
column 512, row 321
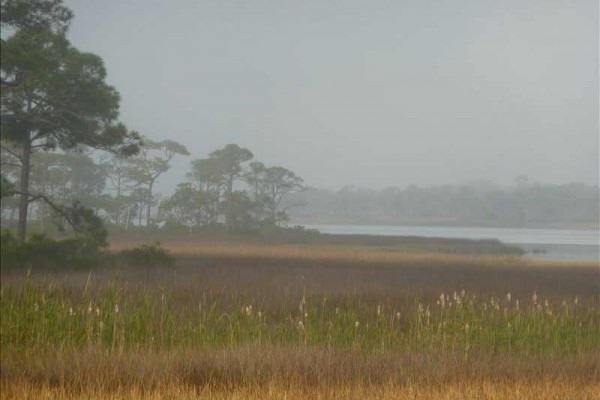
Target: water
column 554, row 244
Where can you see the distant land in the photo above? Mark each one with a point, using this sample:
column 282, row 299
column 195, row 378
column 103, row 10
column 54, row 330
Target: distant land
column 481, row 204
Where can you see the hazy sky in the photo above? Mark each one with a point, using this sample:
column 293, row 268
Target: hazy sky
column 373, row 93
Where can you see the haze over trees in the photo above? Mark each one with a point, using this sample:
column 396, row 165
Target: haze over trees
column 53, row 95
column 63, row 148
column 473, row 204
column 222, row 191
column 226, row 166
column 270, row 185
column 57, row 111
column 152, row 161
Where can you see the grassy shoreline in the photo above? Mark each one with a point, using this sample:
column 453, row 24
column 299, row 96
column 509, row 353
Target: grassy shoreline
column 402, row 244
column 445, row 223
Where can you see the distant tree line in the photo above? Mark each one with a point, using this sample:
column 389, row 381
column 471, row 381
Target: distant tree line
column 476, row 204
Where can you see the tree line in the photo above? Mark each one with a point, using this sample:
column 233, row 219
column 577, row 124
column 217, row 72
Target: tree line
column 523, row 204
column 66, row 157
column 226, row 190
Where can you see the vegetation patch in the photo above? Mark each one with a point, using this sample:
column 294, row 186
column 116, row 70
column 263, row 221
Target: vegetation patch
column 148, row 255
column 43, row 252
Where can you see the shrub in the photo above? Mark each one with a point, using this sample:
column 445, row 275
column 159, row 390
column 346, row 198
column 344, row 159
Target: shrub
column 41, row 251
column 11, row 252
column 148, row 255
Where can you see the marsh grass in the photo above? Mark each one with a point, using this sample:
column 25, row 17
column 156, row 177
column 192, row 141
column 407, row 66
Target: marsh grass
column 327, row 253
column 118, row 317
column 257, row 321
column 311, row 366
column 310, row 240
column 475, row 390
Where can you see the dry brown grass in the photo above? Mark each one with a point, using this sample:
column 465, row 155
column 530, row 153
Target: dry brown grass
column 470, row 390
column 258, row 372
column 256, row 365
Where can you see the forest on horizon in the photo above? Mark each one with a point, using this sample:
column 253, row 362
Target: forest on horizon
column 484, row 204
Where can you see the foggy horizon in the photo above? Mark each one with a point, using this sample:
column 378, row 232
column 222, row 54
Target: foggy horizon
column 372, row 94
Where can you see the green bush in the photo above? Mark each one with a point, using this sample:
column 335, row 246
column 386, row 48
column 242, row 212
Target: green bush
column 148, row 255
column 11, row 251
column 41, row 251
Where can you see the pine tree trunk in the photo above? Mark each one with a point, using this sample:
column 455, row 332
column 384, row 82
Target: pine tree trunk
column 43, row 205
column 127, row 218
column 228, row 217
column 24, row 197
column 13, row 209
column 118, row 212
column 149, row 206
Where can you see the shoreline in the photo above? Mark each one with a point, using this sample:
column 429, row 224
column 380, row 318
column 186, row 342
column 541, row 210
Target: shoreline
column 440, row 224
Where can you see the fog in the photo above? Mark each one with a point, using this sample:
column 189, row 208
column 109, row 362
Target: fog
column 372, row 93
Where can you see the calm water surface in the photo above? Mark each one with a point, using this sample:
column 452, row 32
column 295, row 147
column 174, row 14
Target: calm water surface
column 558, row 244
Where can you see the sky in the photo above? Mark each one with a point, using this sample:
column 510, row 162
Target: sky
column 372, row 93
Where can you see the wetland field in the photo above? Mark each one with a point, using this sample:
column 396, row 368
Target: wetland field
column 250, row 319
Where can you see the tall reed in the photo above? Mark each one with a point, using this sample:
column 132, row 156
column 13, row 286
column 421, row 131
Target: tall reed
column 39, row 316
